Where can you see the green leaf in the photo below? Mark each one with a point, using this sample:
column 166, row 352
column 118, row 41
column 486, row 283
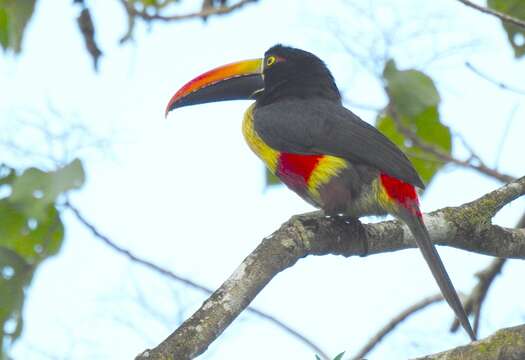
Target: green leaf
column 410, row 91
column 4, row 30
column 32, row 239
column 271, row 179
column 149, row 3
column 14, row 16
column 15, row 276
column 429, row 130
column 7, row 174
column 515, row 34
column 157, row 4
column 339, row 356
column 31, row 230
column 414, row 101
column 35, row 189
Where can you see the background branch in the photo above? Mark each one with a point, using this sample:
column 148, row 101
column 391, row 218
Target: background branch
column 204, row 13
column 501, row 16
column 498, row 83
column 486, row 278
column 473, row 162
column 473, row 303
column 467, row 227
column 87, row 29
column 391, row 325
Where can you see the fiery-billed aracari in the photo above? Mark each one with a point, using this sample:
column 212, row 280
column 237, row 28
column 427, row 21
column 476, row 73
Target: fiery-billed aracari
column 318, row 148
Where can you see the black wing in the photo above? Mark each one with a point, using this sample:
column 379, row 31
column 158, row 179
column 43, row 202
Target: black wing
column 318, row 126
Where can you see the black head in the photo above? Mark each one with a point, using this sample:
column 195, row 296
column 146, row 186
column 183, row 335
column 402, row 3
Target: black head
column 294, row 73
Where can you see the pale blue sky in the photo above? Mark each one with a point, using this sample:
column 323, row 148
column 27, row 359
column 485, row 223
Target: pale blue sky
column 188, row 194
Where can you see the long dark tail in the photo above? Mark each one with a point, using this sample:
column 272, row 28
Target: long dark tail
column 420, row 232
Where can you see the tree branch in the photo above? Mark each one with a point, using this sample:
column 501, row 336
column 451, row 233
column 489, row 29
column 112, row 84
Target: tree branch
column 506, row 343
column 87, row 29
column 498, row 83
column 473, row 162
column 188, row 282
column 473, row 303
column 501, row 16
column 486, row 278
column 204, row 13
column 377, row 338
column 467, row 227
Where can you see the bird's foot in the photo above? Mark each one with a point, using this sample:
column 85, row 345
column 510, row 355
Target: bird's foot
column 359, row 229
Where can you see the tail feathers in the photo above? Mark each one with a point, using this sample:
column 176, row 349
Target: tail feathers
column 420, row 232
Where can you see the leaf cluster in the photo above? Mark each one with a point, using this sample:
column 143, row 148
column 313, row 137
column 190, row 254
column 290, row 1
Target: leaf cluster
column 31, row 230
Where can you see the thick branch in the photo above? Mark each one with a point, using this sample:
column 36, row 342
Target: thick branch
column 506, row 343
column 188, row 282
column 467, row 227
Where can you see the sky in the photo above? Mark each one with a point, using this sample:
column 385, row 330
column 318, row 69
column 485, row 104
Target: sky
column 187, row 193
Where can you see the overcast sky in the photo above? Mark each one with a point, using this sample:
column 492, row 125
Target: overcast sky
column 188, row 194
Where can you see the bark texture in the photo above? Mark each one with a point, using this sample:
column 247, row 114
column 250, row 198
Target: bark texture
column 505, row 344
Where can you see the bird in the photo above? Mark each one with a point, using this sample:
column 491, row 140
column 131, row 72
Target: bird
column 321, row 150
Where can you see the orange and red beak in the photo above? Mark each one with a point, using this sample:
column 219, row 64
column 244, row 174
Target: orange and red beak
column 237, row 81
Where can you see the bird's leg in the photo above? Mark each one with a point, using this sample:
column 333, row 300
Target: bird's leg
column 358, row 227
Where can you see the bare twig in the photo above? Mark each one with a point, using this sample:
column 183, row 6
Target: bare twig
column 467, row 227
column 391, row 325
column 87, row 28
column 478, row 294
column 472, row 154
column 498, row 83
column 55, row 142
column 119, row 249
column 504, row 136
column 500, row 15
column 131, row 22
column 205, row 12
column 474, row 301
column 473, row 162
column 190, row 283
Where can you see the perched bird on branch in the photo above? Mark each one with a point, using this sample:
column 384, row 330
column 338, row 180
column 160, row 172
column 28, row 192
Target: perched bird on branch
column 318, row 148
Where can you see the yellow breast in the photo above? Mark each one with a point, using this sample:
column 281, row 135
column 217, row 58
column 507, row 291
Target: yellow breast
column 258, row 146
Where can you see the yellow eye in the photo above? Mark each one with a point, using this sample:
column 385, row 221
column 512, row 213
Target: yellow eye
column 270, row 60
